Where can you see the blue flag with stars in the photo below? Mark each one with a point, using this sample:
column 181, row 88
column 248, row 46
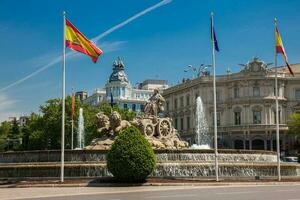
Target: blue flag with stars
column 213, row 36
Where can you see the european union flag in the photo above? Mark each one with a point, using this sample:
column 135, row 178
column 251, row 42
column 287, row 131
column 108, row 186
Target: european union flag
column 213, row 35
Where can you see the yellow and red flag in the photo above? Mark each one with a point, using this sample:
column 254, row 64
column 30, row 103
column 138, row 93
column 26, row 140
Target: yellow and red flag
column 78, row 42
column 280, row 48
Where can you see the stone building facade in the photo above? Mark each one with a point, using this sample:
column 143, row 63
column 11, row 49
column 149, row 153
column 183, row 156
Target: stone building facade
column 245, row 107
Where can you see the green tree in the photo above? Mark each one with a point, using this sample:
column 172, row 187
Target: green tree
column 5, row 128
column 131, row 158
column 294, row 124
column 14, row 136
column 43, row 131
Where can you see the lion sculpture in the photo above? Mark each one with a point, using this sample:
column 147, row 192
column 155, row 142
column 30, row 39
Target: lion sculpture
column 102, row 122
column 116, row 122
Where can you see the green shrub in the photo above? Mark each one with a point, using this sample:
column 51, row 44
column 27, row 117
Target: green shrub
column 131, row 158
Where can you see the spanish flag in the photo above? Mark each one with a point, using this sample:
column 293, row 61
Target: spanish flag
column 280, row 48
column 78, row 42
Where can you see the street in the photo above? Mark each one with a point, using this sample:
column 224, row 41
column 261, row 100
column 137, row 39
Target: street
column 245, row 192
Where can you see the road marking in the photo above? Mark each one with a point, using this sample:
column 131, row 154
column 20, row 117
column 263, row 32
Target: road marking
column 166, row 196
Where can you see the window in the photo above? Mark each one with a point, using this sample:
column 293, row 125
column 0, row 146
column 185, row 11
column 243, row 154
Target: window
column 218, row 96
column 297, row 94
column 181, row 124
column 142, row 108
column 236, row 92
column 218, row 119
column 237, row 118
column 188, row 123
column 256, row 91
column 175, row 103
column 181, row 101
column 187, row 100
column 133, row 107
column 167, row 105
column 256, row 117
column 274, row 116
column 125, row 106
column 176, row 123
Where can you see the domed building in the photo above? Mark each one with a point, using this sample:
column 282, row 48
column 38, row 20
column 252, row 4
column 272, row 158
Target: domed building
column 120, row 91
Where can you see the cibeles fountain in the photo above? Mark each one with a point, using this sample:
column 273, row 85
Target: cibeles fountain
column 174, row 157
column 158, row 130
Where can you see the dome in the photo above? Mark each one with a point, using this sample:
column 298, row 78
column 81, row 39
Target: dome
column 118, row 73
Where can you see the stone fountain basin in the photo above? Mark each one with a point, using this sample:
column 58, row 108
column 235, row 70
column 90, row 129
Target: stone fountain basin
column 187, row 155
column 187, row 163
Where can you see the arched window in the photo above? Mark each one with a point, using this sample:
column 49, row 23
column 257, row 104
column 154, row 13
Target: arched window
column 258, row 144
column 238, row 144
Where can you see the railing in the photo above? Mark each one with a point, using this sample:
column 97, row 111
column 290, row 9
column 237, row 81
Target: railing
column 251, row 127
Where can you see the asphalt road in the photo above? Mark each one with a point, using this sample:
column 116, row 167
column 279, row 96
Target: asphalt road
column 286, row 192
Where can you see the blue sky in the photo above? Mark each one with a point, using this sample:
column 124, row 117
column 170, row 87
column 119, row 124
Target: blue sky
column 159, row 44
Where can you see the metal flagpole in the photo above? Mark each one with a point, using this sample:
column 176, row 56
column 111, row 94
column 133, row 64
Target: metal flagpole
column 72, row 125
column 215, row 98
column 63, row 101
column 277, row 112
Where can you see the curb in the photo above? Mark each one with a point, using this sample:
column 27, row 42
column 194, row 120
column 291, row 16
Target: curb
column 52, row 185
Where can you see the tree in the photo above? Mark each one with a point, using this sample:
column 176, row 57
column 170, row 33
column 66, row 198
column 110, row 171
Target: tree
column 14, row 135
column 294, row 124
column 5, row 128
column 131, row 158
column 43, row 131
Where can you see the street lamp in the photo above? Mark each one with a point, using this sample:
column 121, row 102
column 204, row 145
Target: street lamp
column 200, row 71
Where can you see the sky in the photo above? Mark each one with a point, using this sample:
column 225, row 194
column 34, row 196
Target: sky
column 159, row 43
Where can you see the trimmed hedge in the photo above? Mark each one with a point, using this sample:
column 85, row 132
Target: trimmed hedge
column 131, row 158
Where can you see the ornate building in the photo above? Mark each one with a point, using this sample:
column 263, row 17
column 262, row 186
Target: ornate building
column 245, row 106
column 123, row 93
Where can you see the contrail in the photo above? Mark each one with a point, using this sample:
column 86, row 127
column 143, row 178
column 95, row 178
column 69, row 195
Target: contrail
column 164, row 2
column 96, row 39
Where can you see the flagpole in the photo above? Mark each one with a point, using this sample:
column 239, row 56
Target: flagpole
column 215, row 99
column 63, row 102
column 277, row 112
column 72, row 125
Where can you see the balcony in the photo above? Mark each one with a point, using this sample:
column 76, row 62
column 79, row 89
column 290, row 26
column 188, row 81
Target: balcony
column 254, row 127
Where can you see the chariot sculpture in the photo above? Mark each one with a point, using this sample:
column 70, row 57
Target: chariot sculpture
column 156, row 129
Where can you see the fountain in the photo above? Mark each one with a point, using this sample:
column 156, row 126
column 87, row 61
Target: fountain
column 80, row 136
column 174, row 158
column 202, row 139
